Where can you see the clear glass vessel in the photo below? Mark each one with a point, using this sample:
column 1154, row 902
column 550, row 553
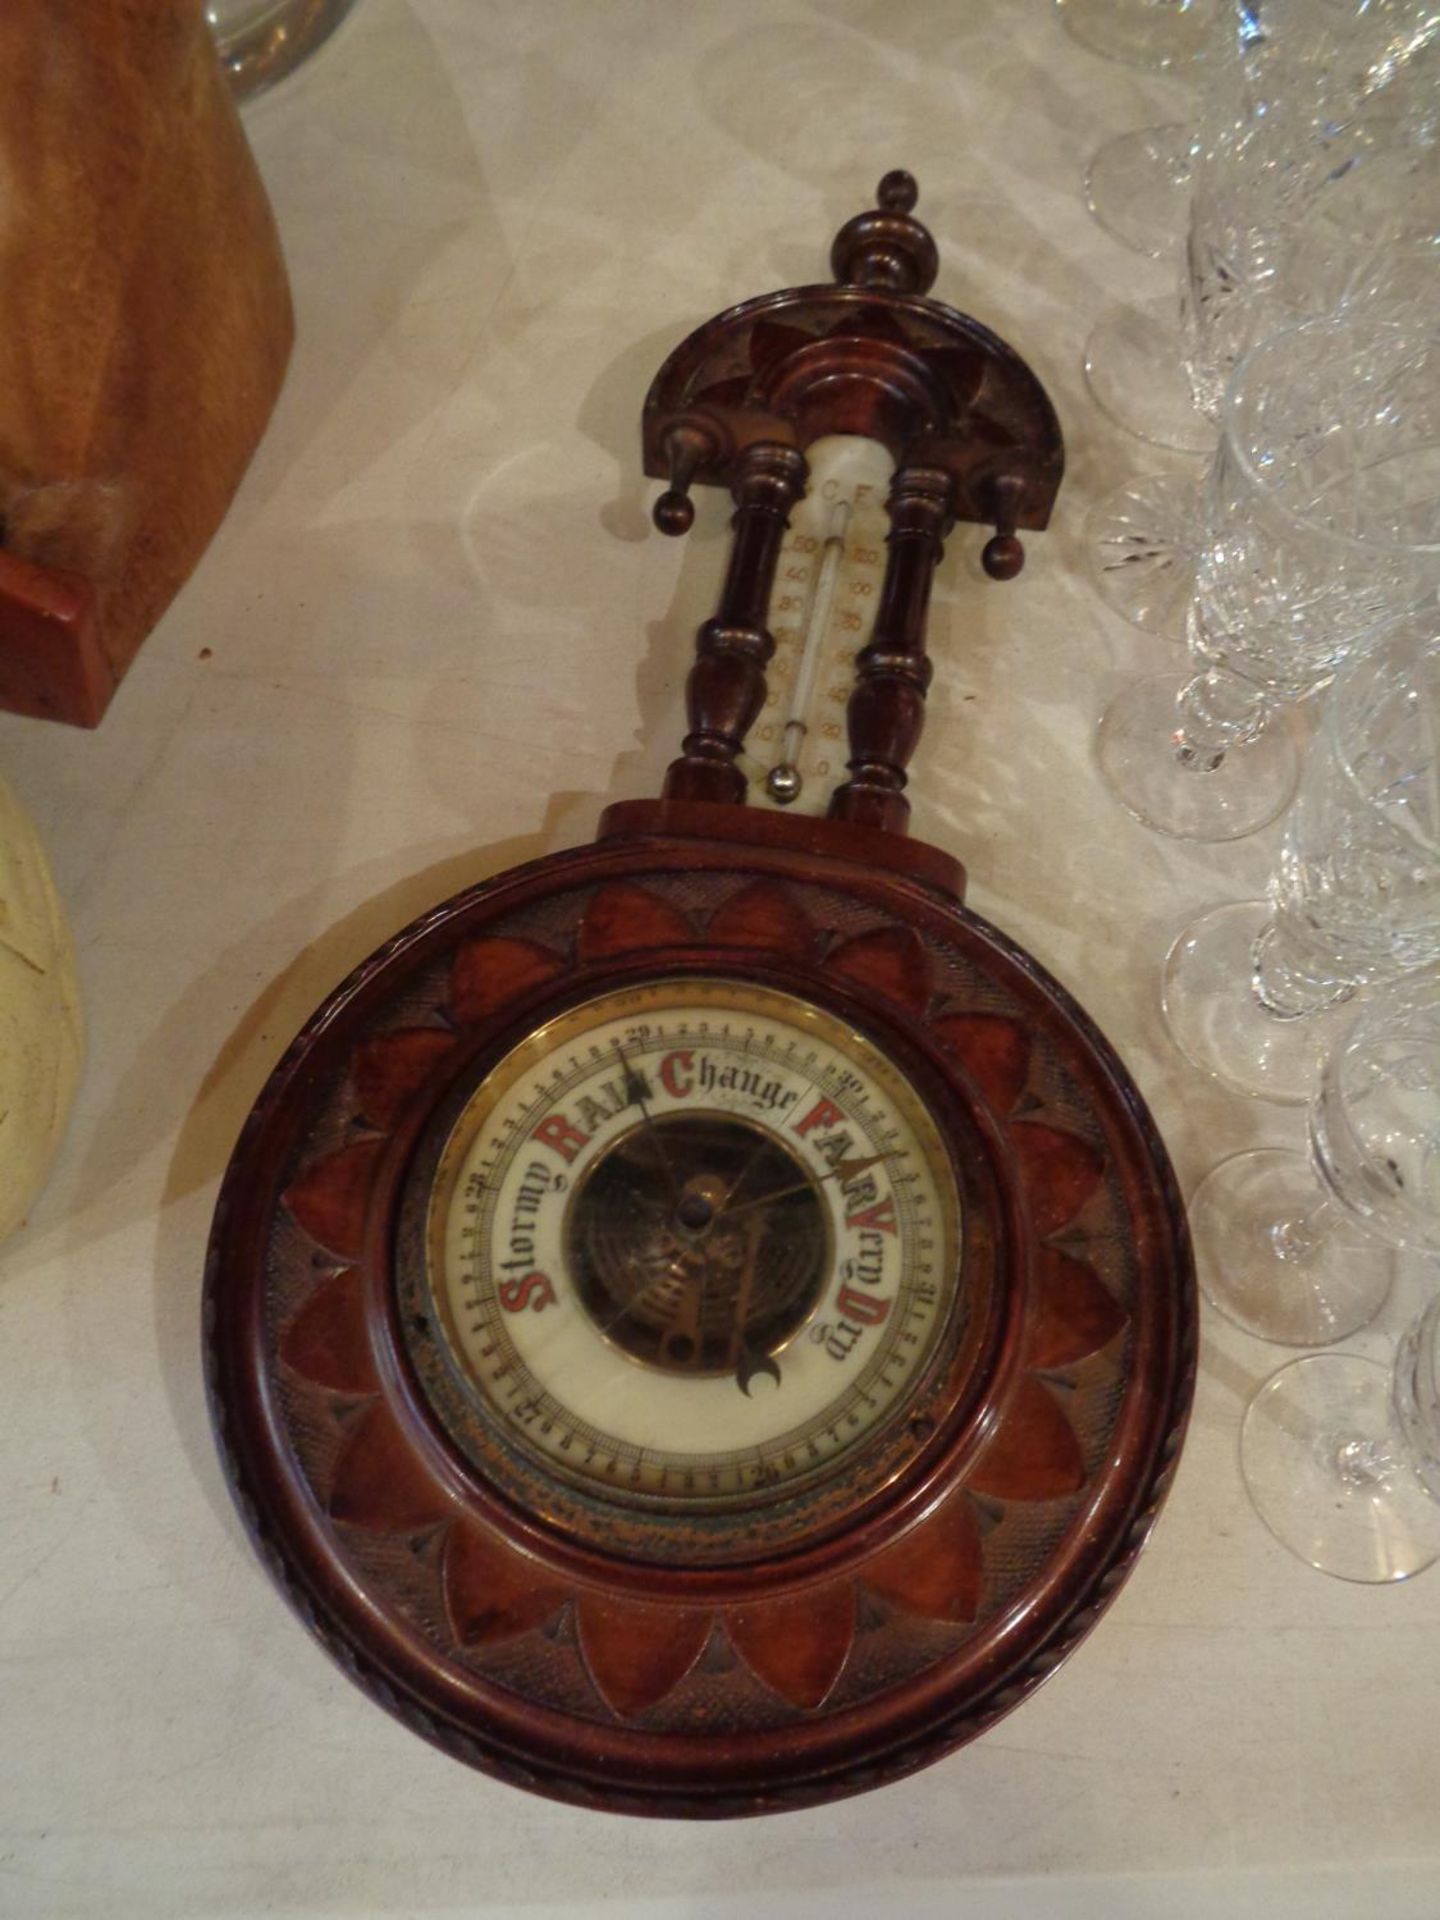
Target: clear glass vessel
column 1142, row 540
column 1341, row 1456
column 1302, row 1251
column 1141, row 543
column 1165, row 35
column 1315, row 145
column 1355, row 898
column 1341, row 1459
column 1321, row 526
column 1137, row 186
column 1135, row 372
column 260, row 41
column 1291, row 210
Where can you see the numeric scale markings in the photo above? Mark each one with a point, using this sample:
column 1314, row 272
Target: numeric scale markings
column 827, row 589
column 832, row 1080
column 531, row 1405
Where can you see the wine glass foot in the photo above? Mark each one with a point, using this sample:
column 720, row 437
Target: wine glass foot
column 1140, row 32
column 1220, row 1025
column 1141, row 546
column 1264, row 1263
column 1322, row 1470
column 1138, row 187
column 1135, row 370
column 1135, row 746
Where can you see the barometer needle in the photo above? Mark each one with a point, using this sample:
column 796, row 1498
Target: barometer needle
column 746, row 1362
column 844, row 1171
column 744, row 1290
column 752, row 1160
column 635, row 1090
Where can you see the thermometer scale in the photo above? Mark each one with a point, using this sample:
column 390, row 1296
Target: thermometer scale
column 822, row 613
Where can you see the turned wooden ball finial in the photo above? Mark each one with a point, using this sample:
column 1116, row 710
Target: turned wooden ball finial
column 897, row 192
column 887, row 248
column 1004, row 552
column 688, row 445
column 674, row 513
column 1003, row 556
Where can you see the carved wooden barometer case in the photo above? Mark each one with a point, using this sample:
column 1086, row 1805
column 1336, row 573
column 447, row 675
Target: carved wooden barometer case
column 702, row 1323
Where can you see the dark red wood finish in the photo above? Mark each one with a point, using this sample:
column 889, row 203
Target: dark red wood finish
column 973, row 436
column 869, row 355
column 726, row 688
column 846, row 1633
column 928, row 1600
column 887, row 708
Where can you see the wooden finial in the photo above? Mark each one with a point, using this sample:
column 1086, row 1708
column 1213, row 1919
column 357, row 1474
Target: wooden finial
column 1004, row 555
column 887, row 249
column 897, row 192
column 687, row 445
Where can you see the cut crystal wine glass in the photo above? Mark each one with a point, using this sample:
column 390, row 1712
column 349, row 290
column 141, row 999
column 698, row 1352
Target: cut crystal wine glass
column 1341, row 1455
column 1355, row 899
column 1321, row 525
column 1341, row 1458
column 1137, row 186
column 1142, row 539
column 1316, row 142
column 1307, row 1264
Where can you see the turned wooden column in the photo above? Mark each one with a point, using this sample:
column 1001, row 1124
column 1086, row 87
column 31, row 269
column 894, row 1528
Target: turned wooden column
column 887, row 707
column 726, row 687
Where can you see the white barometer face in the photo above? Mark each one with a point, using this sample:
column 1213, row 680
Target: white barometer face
column 695, row 1239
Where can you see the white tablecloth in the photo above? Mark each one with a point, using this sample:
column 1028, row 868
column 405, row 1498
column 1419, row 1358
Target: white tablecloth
column 434, row 637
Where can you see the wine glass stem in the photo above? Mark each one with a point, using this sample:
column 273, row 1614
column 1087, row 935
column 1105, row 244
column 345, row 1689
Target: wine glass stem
column 1296, row 1237
column 1215, row 711
column 1291, row 976
column 1359, row 1461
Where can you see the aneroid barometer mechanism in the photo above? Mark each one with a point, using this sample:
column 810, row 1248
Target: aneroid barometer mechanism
column 701, row 1324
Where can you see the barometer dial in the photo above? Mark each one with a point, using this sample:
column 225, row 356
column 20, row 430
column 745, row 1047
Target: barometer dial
column 693, row 1239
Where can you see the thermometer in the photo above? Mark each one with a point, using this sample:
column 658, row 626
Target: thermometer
column 822, row 612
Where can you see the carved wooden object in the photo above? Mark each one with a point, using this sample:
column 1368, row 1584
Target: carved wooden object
column 973, row 438
column 799, row 1640
column 557, row 1646
column 887, row 708
column 870, row 355
column 146, row 327
column 727, row 682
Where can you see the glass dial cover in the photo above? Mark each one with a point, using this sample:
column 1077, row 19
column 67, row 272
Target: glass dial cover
column 693, row 1239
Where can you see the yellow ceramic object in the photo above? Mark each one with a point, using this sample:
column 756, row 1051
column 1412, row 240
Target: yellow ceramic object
column 41, row 1033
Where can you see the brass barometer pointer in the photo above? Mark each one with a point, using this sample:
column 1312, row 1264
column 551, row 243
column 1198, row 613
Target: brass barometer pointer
column 740, row 1096
column 635, row 1095
column 748, row 1362
column 844, row 1171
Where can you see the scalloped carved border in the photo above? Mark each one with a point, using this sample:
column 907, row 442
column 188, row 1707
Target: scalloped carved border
column 893, row 963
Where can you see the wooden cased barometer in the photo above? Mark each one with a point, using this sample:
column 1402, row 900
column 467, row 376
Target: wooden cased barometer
column 702, row 1323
